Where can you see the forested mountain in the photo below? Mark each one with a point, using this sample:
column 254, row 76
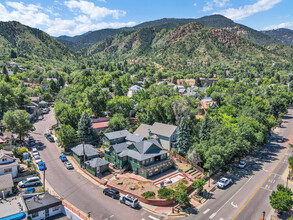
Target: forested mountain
column 30, row 42
column 218, row 21
column 283, row 34
column 191, row 42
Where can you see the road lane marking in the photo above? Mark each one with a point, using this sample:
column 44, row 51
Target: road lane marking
column 152, row 217
column 266, row 189
column 234, row 205
column 234, row 217
column 213, row 215
column 221, row 218
column 206, row 211
column 111, row 216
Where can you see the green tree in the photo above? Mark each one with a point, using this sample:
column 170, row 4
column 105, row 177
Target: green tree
column 66, row 136
column 96, row 99
column 183, row 198
column 205, row 128
column 118, row 90
column 17, row 122
column 184, row 139
column 85, row 130
column 281, row 199
column 13, row 54
column 199, row 184
column 120, row 104
column 70, row 117
column 117, row 122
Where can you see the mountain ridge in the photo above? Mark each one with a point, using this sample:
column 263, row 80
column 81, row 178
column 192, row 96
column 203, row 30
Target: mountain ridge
column 285, row 35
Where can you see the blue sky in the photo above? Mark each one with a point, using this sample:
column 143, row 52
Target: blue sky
column 74, row 17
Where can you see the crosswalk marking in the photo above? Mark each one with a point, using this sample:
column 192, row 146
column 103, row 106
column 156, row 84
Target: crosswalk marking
column 213, row 215
column 206, row 211
column 154, row 218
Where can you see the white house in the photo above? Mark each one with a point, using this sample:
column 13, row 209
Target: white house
column 133, row 90
column 8, row 163
column 6, row 185
column 42, row 206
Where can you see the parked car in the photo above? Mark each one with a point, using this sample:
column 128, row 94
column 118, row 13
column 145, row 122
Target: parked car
column 68, row 165
column 42, row 166
column 242, row 164
column 129, row 200
column 47, row 135
column 34, row 150
column 36, row 154
column 112, row 193
column 37, row 157
column 41, row 117
column 32, row 181
column 51, row 139
column 280, row 140
column 31, row 138
column 38, row 161
column 63, row 158
column 45, row 111
column 223, row 182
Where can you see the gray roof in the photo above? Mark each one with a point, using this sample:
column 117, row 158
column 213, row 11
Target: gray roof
column 116, row 134
column 163, row 129
column 120, row 147
column 88, row 148
column 134, row 138
column 207, row 99
column 181, row 90
column 143, row 147
column 6, row 181
column 143, row 130
column 96, row 162
column 42, row 202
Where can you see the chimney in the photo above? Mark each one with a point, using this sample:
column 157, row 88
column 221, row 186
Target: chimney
column 149, row 132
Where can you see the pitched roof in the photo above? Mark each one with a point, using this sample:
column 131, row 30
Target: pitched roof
column 98, row 125
column 88, row 149
column 41, row 202
column 120, row 147
column 6, row 181
column 116, row 134
column 163, row 129
column 134, row 138
column 96, row 162
column 143, row 130
column 7, row 154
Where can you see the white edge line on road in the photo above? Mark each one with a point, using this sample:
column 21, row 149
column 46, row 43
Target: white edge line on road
column 152, row 217
column 206, row 211
column 213, row 215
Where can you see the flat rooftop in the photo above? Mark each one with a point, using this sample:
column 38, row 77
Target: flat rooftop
column 11, row 206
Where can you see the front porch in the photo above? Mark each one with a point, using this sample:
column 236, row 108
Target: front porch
column 156, row 168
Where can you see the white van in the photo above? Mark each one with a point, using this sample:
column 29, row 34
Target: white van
column 32, row 181
column 129, row 200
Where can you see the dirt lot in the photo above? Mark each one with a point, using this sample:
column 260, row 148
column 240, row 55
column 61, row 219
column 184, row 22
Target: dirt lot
column 140, row 187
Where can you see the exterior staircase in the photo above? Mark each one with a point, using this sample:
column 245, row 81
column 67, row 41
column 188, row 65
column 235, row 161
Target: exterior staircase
column 194, row 174
column 125, row 168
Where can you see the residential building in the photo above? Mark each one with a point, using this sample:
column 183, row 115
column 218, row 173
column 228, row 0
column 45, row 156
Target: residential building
column 191, row 93
column 204, row 105
column 100, row 124
column 6, row 184
column 89, row 151
column 42, row 206
column 8, row 163
column 166, row 134
column 96, row 166
column 133, row 90
column 114, row 137
column 189, row 82
column 145, row 158
column 13, row 208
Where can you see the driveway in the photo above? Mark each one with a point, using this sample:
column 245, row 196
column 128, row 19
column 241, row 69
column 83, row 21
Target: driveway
column 248, row 197
column 77, row 189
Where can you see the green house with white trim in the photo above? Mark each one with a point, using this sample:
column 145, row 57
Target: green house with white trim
column 145, row 158
column 89, row 151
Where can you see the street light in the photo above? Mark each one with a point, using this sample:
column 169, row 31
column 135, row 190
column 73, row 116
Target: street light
column 263, row 215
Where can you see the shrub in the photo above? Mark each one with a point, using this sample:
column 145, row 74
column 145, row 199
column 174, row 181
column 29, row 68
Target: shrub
column 165, row 193
column 199, row 184
column 149, row 194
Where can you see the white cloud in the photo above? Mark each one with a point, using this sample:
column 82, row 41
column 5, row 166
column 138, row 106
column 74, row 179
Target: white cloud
column 95, row 12
column 221, row 3
column 194, row 4
column 282, row 25
column 208, row 7
column 37, row 16
column 248, row 10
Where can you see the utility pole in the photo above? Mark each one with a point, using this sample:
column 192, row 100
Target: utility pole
column 44, row 180
column 83, row 153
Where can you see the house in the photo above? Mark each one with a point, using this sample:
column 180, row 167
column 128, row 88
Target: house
column 189, row 82
column 8, row 163
column 114, row 137
column 145, row 158
column 191, row 93
column 171, row 85
column 42, row 206
column 43, row 104
column 96, row 166
column 100, row 124
column 166, row 134
column 133, row 90
column 13, row 208
column 89, row 151
column 6, row 184
column 204, row 105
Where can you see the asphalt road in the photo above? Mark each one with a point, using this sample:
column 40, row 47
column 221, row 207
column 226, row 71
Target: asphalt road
column 248, row 197
column 77, row 189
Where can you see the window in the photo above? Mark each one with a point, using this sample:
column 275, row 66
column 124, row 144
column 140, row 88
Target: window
column 143, row 162
column 56, row 208
column 34, row 215
column 4, row 159
column 8, row 170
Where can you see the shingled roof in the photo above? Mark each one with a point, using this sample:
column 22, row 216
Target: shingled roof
column 117, row 134
column 88, row 149
column 6, row 181
column 96, row 162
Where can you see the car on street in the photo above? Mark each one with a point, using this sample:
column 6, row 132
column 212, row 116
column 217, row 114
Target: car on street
column 51, row 139
column 41, row 117
column 113, row 193
column 129, row 201
column 223, row 182
column 68, row 165
column 242, row 164
column 37, row 157
column 63, row 158
column 36, row 154
column 42, row 166
column 32, row 181
column 38, row 161
column 34, row 150
column 280, row 140
column 31, row 138
column 47, row 135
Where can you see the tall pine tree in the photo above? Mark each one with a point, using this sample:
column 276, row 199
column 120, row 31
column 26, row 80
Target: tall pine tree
column 85, row 130
column 205, row 128
column 184, row 139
